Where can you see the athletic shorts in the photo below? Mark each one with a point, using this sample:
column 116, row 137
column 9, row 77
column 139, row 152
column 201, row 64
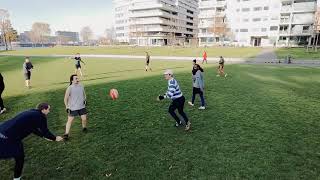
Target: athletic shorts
column 78, row 112
column 78, row 66
column 27, row 75
column 221, row 66
column 10, row 149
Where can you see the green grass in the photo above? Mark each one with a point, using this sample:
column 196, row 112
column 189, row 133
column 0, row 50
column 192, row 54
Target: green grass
column 154, row 51
column 261, row 122
column 298, row 53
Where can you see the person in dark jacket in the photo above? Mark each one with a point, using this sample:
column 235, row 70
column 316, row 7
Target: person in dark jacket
column 13, row 131
column 27, row 67
column 2, row 108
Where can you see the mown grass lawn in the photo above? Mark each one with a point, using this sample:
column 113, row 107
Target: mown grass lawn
column 154, row 51
column 261, row 122
column 298, row 53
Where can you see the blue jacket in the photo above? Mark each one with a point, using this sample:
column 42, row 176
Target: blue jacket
column 25, row 123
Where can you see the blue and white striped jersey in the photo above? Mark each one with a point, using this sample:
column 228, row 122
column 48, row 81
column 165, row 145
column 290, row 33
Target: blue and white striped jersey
column 173, row 91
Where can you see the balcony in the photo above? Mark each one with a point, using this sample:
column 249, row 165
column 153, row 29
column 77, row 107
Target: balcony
column 155, row 20
column 152, row 14
column 284, row 21
column 304, row 7
column 208, row 4
column 284, row 32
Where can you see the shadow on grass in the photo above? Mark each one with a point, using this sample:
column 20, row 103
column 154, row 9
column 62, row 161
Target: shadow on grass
column 244, row 133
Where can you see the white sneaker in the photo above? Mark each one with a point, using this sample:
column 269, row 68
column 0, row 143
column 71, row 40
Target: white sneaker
column 202, row 108
column 3, row 110
column 217, row 75
column 188, row 126
column 190, row 103
column 225, row 75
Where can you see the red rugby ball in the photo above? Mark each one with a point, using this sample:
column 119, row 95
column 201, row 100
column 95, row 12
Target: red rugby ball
column 114, row 94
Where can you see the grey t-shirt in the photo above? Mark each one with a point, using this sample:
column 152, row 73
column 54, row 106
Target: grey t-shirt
column 76, row 97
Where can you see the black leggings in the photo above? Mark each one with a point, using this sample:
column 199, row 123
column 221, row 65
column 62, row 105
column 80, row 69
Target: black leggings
column 19, row 166
column 178, row 104
column 1, row 101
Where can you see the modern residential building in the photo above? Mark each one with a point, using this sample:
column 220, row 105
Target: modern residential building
column 297, row 19
column 156, row 22
column 262, row 23
column 212, row 22
column 121, row 23
column 67, row 37
column 219, row 22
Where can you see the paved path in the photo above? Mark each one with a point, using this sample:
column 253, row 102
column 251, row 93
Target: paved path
column 267, row 54
column 266, row 57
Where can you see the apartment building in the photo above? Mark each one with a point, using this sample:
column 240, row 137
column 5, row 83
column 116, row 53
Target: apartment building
column 297, row 19
column 212, row 22
column 67, row 37
column 215, row 22
column 156, row 22
column 262, row 23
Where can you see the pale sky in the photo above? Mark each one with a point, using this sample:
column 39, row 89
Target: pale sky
column 65, row 15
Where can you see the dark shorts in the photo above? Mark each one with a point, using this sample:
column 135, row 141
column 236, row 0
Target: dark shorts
column 27, row 75
column 78, row 66
column 9, row 149
column 78, row 112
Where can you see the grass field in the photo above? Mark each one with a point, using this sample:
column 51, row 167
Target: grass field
column 154, row 51
column 261, row 122
column 298, row 53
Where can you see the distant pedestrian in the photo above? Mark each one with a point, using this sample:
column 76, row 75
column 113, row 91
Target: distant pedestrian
column 78, row 62
column 2, row 86
column 148, row 62
column 221, row 67
column 204, row 56
column 27, row 68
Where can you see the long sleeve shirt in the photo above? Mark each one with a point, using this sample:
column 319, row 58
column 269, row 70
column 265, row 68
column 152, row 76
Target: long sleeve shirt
column 198, row 81
column 25, row 123
column 173, row 91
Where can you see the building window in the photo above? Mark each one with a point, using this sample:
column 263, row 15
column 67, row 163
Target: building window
column 273, row 28
column 243, row 30
column 245, row 20
column 264, row 30
column 256, row 19
column 257, row 9
column 245, row 9
column 266, row 8
column 203, row 39
column 306, row 28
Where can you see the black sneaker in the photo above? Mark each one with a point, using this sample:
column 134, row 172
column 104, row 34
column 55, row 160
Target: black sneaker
column 66, row 137
column 85, row 130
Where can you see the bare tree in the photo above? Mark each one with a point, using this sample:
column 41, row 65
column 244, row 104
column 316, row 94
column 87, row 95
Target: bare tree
column 40, row 32
column 86, row 34
column 11, row 35
column 110, row 35
column 4, row 26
